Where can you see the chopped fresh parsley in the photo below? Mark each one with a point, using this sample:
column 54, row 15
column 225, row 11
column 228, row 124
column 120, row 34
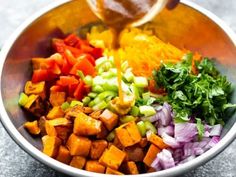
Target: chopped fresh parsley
column 205, row 95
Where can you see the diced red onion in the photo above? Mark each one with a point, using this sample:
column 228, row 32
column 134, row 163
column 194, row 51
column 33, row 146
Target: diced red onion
column 170, row 141
column 168, row 130
column 187, row 159
column 214, row 140
column 163, row 115
column 156, row 164
column 185, row 132
column 216, row 130
column 165, row 159
column 178, row 155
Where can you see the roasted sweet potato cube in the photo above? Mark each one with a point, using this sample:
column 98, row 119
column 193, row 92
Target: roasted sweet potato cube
column 60, row 122
column 112, row 157
column 78, row 162
column 35, row 105
column 63, row 132
column 97, row 148
column 128, row 134
column 55, row 112
column 85, row 125
column 135, row 153
column 78, row 145
column 96, row 114
column 117, row 143
column 51, row 145
column 41, row 122
column 150, row 170
column 50, row 129
column 57, row 98
column 94, row 166
column 155, row 139
column 73, row 112
column 109, row 118
column 64, row 155
column 132, row 168
column 87, row 110
column 32, row 127
column 143, row 142
column 113, row 172
column 35, row 88
column 151, row 155
column 104, row 132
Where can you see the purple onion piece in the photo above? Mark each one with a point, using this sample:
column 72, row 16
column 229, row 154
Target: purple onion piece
column 165, row 159
column 185, row 132
column 170, row 141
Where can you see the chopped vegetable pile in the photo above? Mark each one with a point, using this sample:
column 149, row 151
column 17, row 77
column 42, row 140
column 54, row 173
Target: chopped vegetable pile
column 174, row 106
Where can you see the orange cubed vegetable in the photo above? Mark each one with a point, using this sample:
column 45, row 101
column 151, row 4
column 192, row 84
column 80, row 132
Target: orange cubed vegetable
column 57, row 98
column 50, row 129
column 104, row 132
column 135, row 153
column 143, row 142
column 117, row 143
column 41, row 122
column 97, row 148
column 32, row 127
column 151, row 155
column 94, row 166
column 85, row 125
column 35, row 88
column 51, row 145
column 132, row 168
column 155, row 139
column 55, row 112
column 112, row 157
column 63, row 155
column 96, row 114
column 78, row 145
column 128, row 134
column 113, row 172
column 32, row 98
column 78, row 162
column 109, row 118
column 63, row 132
column 87, row 110
column 150, row 170
column 60, row 122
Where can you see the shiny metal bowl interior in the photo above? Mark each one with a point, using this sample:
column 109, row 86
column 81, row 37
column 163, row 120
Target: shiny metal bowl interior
column 188, row 26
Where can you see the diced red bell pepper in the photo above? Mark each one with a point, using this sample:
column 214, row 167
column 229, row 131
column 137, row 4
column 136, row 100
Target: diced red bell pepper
column 58, row 58
column 80, row 91
column 71, row 40
column 57, row 88
column 67, row 80
column 66, row 67
column 42, row 75
column 97, row 52
column 71, row 89
column 58, row 45
column 84, row 65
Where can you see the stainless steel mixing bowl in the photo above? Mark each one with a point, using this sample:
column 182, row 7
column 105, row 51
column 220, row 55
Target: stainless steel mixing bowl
column 188, row 26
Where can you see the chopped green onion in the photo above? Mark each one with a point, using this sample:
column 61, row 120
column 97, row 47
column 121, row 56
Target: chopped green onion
column 88, row 80
column 146, row 96
column 126, row 119
column 65, row 106
column 150, row 126
column 23, row 99
column 134, row 111
column 129, row 76
column 86, row 100
column 100, row 106
column 109, row 85
column 80, row 74
column 111, row 136
column 97, row 100
column 108, row 75
column 135, row 91
column 147, row 110
column 97, row 89
column 142, row 128
column 105, row 94
column 92, row 95
column 98, row 80
column 140, row 82
column 76, row 103
column 124, row 66
column 91, row 104
column 100, row 61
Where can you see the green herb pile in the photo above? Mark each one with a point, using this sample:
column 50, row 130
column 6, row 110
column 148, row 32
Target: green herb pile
column 205, row 95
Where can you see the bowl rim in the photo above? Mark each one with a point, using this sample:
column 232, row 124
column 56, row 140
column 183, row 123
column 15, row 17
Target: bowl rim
column 38, row 155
